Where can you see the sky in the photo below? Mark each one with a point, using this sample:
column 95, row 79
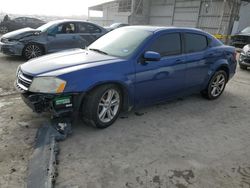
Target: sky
column 48, row 7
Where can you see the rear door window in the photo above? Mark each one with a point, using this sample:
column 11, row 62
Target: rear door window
column 195, row 42
column 93, row 29
column 167, row 45
column 88, row 28
column 82, row 28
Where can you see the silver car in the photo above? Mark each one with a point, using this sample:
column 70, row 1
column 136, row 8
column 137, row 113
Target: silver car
column 51, row 37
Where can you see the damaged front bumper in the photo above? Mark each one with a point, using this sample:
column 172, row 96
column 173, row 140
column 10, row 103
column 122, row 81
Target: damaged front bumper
column 58, row 104
column 244, row 60
column 12, row 48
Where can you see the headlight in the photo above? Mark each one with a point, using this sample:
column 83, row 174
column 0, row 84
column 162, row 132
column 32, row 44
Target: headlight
column 9, row 41
column 47, row 85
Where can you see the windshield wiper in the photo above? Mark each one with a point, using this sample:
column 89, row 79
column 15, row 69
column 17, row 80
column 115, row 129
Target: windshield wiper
column 99, row 51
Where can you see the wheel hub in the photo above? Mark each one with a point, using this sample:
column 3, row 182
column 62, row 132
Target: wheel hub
column 33, row 51
column 218, row 85
column 108, row 106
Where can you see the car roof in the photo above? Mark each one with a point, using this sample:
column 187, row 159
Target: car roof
column 156, row 29
column 55, row 22
column 70, row 20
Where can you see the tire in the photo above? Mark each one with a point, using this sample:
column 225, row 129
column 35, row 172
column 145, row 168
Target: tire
column 243, row 67
column 32, row 51
column 4, row 29
column 97, row 108
column 216, row 85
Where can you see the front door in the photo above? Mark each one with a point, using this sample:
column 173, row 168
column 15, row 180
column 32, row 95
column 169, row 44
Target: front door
column 62, row 37
column 159, row 80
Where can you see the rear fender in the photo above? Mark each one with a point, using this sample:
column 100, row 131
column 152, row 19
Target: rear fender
column 220, row 64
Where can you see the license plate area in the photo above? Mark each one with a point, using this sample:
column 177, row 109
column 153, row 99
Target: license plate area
column 63, row 102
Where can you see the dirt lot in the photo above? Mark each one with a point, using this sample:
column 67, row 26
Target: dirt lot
column 186, row 143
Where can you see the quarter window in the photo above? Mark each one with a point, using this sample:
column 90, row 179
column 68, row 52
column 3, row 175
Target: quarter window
column 167, row 45
column 195, row 42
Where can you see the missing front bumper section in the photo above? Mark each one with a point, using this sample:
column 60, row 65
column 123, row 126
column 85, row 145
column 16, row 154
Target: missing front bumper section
column 58, row 105
column 42, row 169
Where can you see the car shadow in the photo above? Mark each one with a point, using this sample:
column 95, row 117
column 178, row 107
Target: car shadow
column 164, row 111
column 153, row 134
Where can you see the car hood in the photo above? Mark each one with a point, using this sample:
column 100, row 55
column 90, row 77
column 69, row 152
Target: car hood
column 20, row 33
column 62, row 60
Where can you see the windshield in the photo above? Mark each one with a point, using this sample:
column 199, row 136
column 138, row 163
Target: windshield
column 46, row 26
column 120, row 42
column 246, row 30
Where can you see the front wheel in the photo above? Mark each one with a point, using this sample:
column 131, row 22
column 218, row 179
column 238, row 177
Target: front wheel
column 216, row 85
column 32, row 50
column 102, row 106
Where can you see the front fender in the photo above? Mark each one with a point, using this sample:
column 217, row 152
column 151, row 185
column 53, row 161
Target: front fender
column 84, row 80
column 40, row 40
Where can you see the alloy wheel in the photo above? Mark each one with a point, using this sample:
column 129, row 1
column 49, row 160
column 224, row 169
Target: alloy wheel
column 32, row 51
column 218, row 85
column 108, row 106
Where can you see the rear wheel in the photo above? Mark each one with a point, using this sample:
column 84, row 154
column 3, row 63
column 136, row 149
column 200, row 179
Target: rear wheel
column 4, row 29
column 216, row 85
column 32, row 50
column 102, row 106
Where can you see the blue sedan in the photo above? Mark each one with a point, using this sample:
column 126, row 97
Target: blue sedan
column 127, row 68
column 51, row 37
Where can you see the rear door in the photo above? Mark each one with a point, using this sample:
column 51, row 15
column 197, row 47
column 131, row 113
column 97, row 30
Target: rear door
column 159, row 80
column 195, row 46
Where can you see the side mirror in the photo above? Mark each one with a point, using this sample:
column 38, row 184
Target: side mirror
column 152, row 56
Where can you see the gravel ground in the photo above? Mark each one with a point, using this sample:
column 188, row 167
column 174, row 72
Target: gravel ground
column 186, row 143
column 18, row 126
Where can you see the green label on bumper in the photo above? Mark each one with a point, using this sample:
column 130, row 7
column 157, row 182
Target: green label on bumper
column 63, row 100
